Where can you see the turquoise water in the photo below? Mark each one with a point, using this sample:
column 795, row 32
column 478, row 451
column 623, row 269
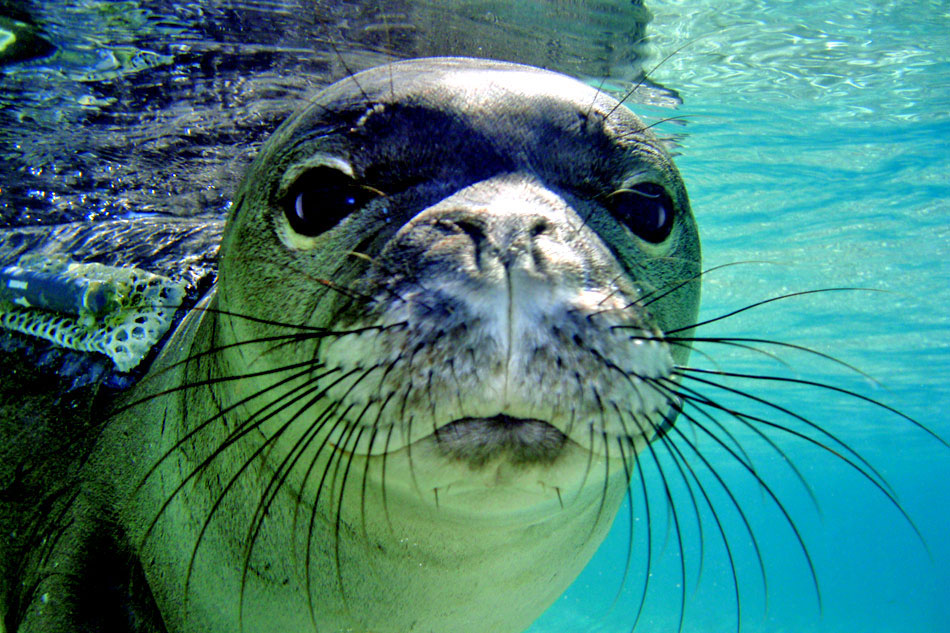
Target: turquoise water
column 815, row 150
column 818, row 139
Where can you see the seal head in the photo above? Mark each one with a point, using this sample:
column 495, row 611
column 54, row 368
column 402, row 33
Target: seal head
column 437, row 342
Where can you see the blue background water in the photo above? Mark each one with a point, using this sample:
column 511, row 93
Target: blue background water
column 816, row 150
column 817, row 140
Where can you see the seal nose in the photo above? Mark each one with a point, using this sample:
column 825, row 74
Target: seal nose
column 502, row 237
column 506, row 230
column 511, row 222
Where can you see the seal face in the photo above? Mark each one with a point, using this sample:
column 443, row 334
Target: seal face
column 436, row 344
column 514, row 223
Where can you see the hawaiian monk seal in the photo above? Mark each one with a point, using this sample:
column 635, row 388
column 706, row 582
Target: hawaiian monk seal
column 435, row 346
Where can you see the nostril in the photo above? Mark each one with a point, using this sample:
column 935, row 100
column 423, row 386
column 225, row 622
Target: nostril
column 474, row 231
column 539, row 227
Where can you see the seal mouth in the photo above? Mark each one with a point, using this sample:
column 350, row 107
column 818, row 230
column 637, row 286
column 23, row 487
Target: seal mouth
column 522, row 441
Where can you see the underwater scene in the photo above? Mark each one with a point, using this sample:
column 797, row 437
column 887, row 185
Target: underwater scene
column 805, row 486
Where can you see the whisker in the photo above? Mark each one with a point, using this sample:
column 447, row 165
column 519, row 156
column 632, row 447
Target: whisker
column 369, row 451
column 770, row 300
column 630, row 92
column 681, row 460
column 671, row 505
column 763, row 486
column 822, row 385
column 599, row 90
column 350, row 75
column 605, row 488
column 239, row 432
column 735, row 504
column 350, row 456
column 277, row 480
column 382, row 479
column 308, row 367
column 335, row 456
column 683, row 118
column 879, row 482
column 647, row 299
column 648, row 563
column 693, row 397
column 261, row 320
column 334, row 459
column 667, row 444
column 242, row 430
column 741, row 342
column 688, row 373
column 374, row 433
column 201, row 383
column 234, row 478
column 588, row 467
column 290, row 460
column 627, row 474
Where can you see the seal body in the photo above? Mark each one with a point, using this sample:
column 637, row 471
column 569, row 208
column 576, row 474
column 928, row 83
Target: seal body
column 435, row 347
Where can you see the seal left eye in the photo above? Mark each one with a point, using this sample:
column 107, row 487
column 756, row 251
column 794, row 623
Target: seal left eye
column 646, row 209
column 321, row 197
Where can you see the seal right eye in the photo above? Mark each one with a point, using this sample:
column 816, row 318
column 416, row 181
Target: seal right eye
column 321, row 197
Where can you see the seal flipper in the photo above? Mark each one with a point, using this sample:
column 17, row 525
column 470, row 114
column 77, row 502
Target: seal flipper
column 87, row 582
column 64, row 565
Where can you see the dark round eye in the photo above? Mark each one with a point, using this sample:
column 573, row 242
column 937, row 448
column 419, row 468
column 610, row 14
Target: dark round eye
column 646, row 209
column 321, row 197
